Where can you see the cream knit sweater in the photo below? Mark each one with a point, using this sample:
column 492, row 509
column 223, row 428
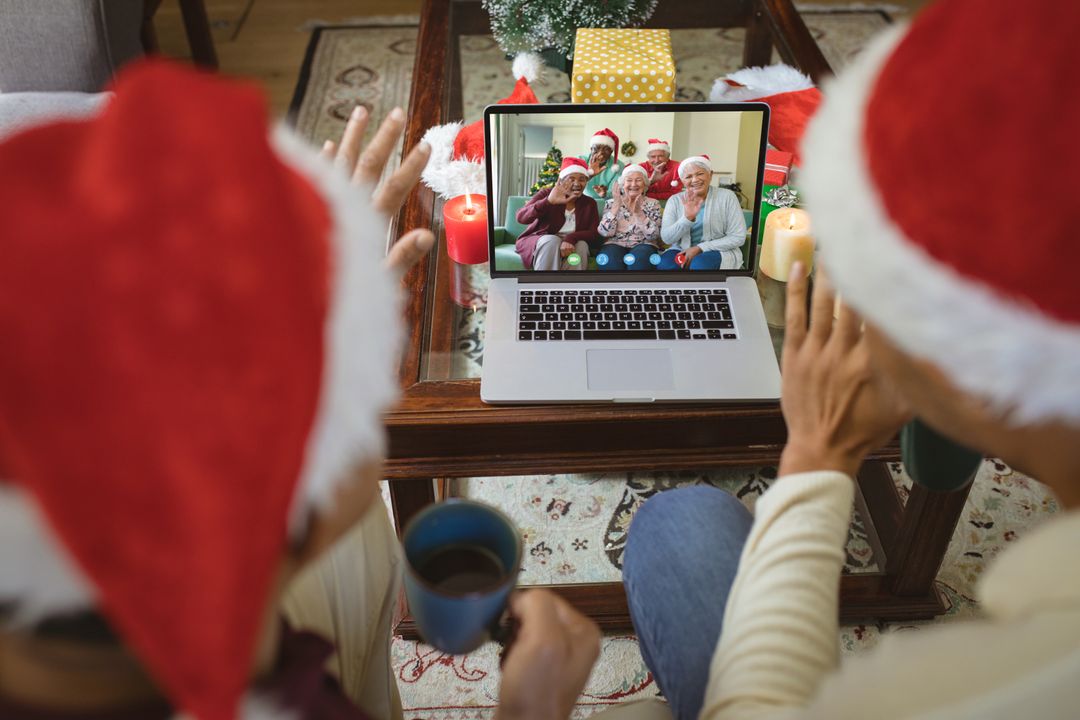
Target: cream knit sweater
column 778, row 654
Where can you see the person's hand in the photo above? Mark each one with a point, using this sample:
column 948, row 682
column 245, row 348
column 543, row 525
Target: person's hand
column 365, row 166
column 690, row 254
column 566, row 248
column 546, row 667
column 559, row 194
column 837, row 408
column 618, row 195
column 600, row 190
column 596, row 163
column 656, row 175
column 692, row 206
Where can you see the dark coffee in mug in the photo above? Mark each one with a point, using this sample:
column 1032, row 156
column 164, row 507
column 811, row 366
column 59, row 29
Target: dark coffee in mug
column 462, row 569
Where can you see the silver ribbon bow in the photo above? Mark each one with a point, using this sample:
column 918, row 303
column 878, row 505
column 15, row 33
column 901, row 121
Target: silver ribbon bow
column 783, row 196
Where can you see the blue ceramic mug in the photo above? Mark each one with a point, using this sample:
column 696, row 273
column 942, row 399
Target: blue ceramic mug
column 462, row 560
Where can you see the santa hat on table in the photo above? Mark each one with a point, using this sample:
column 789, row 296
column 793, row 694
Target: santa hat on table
column 572, row 165
column 186, row 313
column 969, row 266
column 457, row 150
column 606, row 137
column 684, row 165
column 790, row 95
column 655, row 144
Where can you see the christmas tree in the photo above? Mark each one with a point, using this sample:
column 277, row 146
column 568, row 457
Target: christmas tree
column 520, row 25
column 549, row 173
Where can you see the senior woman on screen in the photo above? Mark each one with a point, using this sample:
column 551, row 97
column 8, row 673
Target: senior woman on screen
column 630, row 225
column 704, row 223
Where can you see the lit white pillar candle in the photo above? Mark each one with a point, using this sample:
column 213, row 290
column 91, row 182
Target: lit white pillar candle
column 787, row 240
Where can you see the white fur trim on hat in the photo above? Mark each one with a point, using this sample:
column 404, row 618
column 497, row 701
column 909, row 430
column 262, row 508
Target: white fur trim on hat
column 448, row 177
column 684, row 165
column 631, row 169
column 359, row 376
column 602, row 140
column 359, row 381
column 573, row 169
column 528, row 65
column 1019, row 360
column 666, row 147
column 759, row 82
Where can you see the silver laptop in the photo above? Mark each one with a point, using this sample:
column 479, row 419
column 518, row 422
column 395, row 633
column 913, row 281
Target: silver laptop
column 617, row 311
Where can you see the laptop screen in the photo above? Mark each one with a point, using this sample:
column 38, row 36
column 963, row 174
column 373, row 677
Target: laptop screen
column 633, row 189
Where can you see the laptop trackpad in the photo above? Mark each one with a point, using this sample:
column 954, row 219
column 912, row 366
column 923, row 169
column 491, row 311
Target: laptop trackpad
column 622, row 370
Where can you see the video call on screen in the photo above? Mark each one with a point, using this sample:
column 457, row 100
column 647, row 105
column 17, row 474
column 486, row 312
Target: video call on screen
column 688, row 205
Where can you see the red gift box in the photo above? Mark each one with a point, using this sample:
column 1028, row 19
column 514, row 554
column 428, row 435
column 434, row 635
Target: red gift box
column 777, row 167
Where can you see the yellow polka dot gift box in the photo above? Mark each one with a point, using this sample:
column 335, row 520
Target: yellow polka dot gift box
column 620, row 65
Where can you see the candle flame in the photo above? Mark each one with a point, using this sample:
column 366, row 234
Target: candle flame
column 468, row 203
column 791, row 221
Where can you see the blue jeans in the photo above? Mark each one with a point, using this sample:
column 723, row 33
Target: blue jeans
column 680, row 561
column 708, row 260
column 616, row 254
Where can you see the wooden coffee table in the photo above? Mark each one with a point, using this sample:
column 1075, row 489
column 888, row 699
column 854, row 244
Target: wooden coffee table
column 442, row 430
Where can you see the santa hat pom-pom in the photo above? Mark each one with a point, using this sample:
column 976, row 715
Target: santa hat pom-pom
column 758, row 82
column 528, row 66
column 674, row 183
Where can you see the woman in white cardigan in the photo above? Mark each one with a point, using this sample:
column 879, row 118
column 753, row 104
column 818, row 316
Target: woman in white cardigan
column 702, row 224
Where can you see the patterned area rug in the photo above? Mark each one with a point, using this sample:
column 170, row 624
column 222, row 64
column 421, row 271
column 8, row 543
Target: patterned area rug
column 575, row 525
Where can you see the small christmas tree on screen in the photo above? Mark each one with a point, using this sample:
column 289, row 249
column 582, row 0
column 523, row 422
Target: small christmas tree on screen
column 549, row 173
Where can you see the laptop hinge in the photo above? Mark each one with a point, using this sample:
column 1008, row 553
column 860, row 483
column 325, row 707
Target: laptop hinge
column 616, row 277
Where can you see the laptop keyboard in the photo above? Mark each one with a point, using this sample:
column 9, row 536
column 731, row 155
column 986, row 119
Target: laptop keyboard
column 676, row 314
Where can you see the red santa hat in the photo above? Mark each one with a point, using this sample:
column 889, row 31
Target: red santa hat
column 606, row 137
column 791, row 96
column 187, row 308
column 971, row 269
column 703, row 160
column 655, row 144
column 571, row 165
column 457, row 150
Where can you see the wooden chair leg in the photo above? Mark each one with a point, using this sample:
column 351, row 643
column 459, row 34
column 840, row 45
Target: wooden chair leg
column 197, row 27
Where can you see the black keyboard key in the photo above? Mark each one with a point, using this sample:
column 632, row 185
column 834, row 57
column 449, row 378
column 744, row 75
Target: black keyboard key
column 603, row 325
column 562, row 308
column 633, row 325
column 648, row 324
column 555, row 335
column 665, row 307
column 700, row 336
column 527, row 326
column 607, row 307
column 524, row 335
column 640, row 316
column 620, row 335
column 656, row 316
column 678, row 324
column 679, row 307
column 543, row 325
column 570, row 293
column 664, row 324
column 588, row 325
column 618, row 325
column 540, row 335
column 714, row 334
column 636, row 307
column 547, row 308
column 529, row 308
column 551, row 316
column 683, row 315
column 596, row 316
column 666, row 334
column 730, row 336
column 714, row 316
column 693, row 307
column 682, row 334
column 621, row 307
column 525, row 317
column 600, row 292
column 572, row 335
column 718, row 297
column 581, row 316
column 719, row 324
column 558, row 325
column 649, row 307
column 693, row 324
column 699, row 316
column 566, row 316
column 575, row 325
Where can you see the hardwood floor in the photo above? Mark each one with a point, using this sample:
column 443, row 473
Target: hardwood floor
column 265, row 39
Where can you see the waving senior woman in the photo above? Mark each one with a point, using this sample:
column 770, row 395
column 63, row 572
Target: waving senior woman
column 703, row 222
column 630, row 225
column 560, row 222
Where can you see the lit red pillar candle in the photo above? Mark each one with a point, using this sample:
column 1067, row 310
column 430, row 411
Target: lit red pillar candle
column 465, row 221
